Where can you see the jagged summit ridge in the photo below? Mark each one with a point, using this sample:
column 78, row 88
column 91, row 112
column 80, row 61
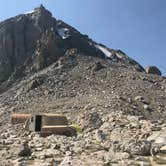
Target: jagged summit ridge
column 41, row 9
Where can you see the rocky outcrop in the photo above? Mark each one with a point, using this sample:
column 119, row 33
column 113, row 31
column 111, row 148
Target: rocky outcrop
column 18, row 38
column 49, row 48
column 24, row 150
column 153, row 70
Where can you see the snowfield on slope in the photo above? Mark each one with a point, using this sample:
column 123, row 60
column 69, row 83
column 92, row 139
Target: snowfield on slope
column 107, row 53
column 63, row 33
column 104, row 50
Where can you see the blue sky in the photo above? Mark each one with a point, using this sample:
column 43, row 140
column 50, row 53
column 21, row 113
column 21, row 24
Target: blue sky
column 137, row 27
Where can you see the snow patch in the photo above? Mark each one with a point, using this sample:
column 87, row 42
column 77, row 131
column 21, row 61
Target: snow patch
column 108, row 53
column 63, row 32
column 119, row 56
column 90, row 43
column 30, row 12
column 104, row 50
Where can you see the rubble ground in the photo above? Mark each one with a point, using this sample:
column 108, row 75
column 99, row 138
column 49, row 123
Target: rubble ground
column 119, row 110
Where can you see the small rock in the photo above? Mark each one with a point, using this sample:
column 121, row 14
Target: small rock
column 77, row 150
column 39, row 145
column 105, row 126
column 98, row 66
column 163, row 149
column 160, row 140
column 146, row 107
column 155, row 128
column 50, row 153
column 153, row 70
column 68, row 153
column 138, row 147
column 34, row 83
column 9, row 142
column 25, row 150
column 153, row 137
column 67, row 161
column 139, row 98
column 90, row 121
column 121, row 156
column 100, row 135
column 39, row 149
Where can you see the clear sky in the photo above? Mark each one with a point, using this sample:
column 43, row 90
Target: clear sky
column 137, row 27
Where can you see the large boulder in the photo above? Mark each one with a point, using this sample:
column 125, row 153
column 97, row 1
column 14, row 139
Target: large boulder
column 138, row 147
column 153, row 70
column 90, row 121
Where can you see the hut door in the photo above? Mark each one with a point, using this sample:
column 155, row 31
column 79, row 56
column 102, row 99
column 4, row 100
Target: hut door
column 38, row 123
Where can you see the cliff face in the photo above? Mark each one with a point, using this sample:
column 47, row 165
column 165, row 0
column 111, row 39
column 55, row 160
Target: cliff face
column 18, row 39
column 32, row 41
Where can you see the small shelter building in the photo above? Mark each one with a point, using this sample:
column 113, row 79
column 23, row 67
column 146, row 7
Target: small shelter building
column 45, row 124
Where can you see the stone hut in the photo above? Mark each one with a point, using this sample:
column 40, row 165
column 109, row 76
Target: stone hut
column 45, row 124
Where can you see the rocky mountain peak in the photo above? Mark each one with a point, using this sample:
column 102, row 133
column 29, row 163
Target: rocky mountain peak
column 42, row 18
column 35, row 40
column 42, row 11
column 41, row 8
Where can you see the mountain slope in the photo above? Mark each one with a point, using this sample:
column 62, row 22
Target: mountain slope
column 49, row 66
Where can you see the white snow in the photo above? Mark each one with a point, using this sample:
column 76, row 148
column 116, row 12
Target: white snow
column 107, row 52
column 119, row 56
column 30, row 12
column 90, row 43
column 63, row 33
column 104, row 50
